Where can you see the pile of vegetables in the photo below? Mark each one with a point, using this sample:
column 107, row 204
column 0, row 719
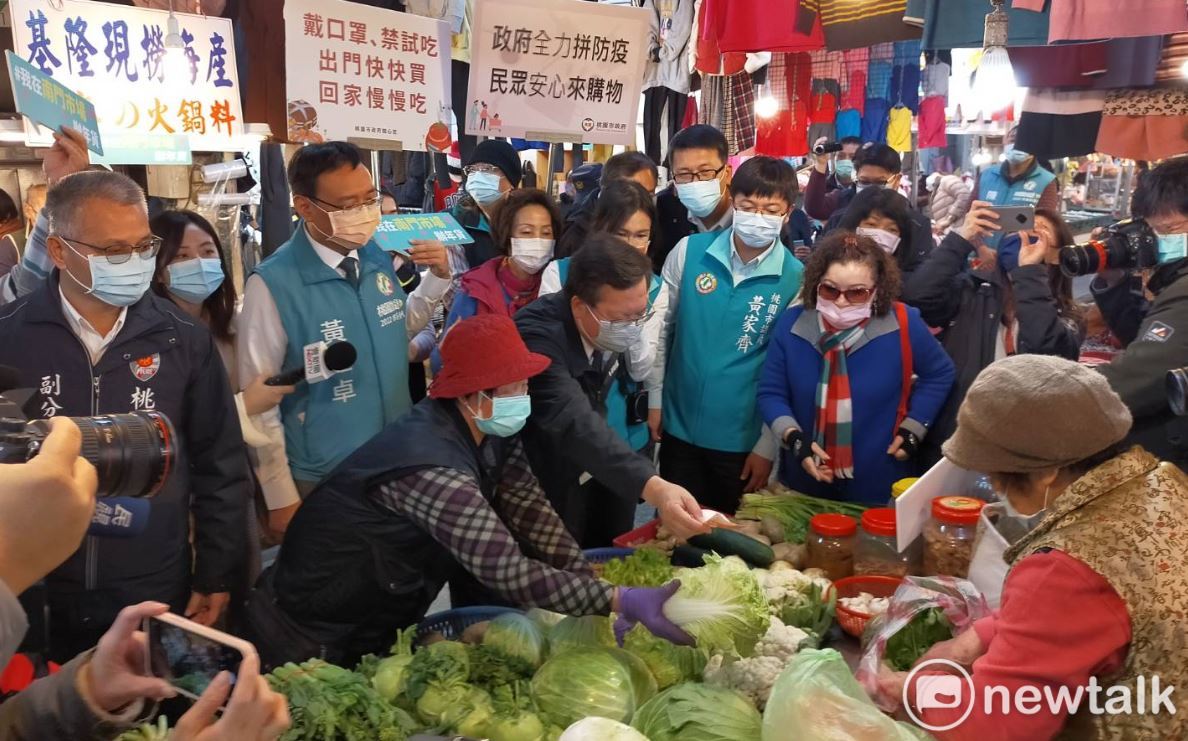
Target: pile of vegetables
column 644, row 568
column 791, row 510
column 330, row 703
column 913, row 640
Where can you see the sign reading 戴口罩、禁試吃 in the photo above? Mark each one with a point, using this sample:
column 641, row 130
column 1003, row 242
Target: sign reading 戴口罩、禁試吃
column 354, row 71
column 123, row 61
column 555, row 69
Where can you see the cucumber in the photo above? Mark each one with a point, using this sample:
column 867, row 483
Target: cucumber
column 729, row 543
column 688, row 556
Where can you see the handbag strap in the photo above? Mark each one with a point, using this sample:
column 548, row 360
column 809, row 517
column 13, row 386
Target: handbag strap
column 905, row 346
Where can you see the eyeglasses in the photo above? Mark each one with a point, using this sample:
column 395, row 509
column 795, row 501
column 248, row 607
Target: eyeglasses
column 482, row 167
column 118, row 254
column 853, row 295
column 641, row 239
column 873, row 183
column 638, row 321
column 375, row 200
column 752, row 210
column 684, row 178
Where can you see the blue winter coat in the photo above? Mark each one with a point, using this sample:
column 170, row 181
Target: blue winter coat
column 788, row 390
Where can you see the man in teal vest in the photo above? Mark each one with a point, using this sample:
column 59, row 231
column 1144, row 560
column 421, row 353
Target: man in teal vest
column 331, row 282
column 1018, row 181
column 725, row 291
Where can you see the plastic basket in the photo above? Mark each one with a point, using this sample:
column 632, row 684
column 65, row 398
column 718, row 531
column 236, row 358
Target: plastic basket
column 638, row 536
column 602, row 555
column 451, row 623
column 853, row 621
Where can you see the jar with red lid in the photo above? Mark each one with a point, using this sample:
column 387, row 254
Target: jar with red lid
column 949, row 535
column 830, row 544
column 876, row 551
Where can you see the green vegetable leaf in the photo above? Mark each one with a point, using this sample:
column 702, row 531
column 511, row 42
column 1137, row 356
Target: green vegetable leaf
column 646, row 567
column 913, row 640
column 698, row 712
column 721, row 604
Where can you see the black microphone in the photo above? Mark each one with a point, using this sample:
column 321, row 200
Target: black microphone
column 321, row 360
column 119, row 517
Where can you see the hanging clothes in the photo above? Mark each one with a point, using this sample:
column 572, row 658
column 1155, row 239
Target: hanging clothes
column 849, row 123
column 874, row 120
column 1065, row 65
column 1144, row 124
column 749, row 26
column 852, row 24
column 1083, row 20
column 905, row 75
column 958, row 24
column 740, row 127
column 786, row 133
column 931, row 123
column 666, row 74
column 707, row 57
column 855, row 67
column 1172, row 58
column 899, row 129
column 1055, row 124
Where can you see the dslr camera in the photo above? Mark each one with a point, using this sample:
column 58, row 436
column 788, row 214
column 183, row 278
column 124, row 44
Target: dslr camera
column 1124, row 245
column 132, row 453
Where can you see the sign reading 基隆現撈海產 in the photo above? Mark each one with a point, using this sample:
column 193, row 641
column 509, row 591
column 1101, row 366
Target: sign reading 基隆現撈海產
column 354, row 71
column 544, row 69
column 123, row 60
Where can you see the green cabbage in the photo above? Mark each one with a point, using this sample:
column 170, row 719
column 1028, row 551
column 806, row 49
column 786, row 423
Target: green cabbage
column 583, row 682
column 641, row 677
column 600, row 729
column 445, row 663
column 698, row 712
column 669, row 663
column 721, row 605
column 391, row 674
column 590, row 631
column 515, row 635
column 544, row 619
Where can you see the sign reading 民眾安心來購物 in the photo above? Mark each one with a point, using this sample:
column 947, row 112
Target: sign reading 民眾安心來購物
column 48, row 103
column 542, row 69
column 124, row 61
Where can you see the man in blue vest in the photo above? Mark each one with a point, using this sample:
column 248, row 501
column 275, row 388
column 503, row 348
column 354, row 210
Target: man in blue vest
column 1018, row 181
column 332, row 282
column 698, row 200
column 726, row 290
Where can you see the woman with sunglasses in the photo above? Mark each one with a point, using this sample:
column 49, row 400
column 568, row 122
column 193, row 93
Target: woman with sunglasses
column 837, row 388
column 626, row 210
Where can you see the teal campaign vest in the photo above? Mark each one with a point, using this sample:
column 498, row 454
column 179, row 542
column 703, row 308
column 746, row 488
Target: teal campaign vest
column 719, row 342
column 325, row 422
column 995, row 189
column 637, row 436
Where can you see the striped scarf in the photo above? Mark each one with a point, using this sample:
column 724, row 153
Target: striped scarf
column 833, row 429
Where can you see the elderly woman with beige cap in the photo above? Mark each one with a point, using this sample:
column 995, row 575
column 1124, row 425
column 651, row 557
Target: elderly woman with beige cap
column 1097, row 595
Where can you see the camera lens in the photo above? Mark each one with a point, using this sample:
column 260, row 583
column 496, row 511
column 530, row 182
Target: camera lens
column 1080, row 259
column 133, row 453
column 1177, row 390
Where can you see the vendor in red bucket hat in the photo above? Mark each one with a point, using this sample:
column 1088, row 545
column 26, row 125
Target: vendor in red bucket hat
column 444, row 493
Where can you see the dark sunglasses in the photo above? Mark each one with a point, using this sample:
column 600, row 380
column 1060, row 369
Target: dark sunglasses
column 853, row 295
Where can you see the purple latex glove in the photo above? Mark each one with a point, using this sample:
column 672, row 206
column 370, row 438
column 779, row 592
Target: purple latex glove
column 646, row 605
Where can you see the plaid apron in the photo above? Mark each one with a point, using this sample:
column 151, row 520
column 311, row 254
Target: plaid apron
column 833, row 429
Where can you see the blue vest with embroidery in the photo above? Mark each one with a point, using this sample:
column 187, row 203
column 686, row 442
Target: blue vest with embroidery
column 616, row 398
column 325, row 422
column 994, row 188
column 719, row 341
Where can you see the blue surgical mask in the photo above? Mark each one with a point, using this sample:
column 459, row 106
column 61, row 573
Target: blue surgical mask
column 483, row 187
column 1027, row 522
column 1015, row 156
column 757, row 230
column 701, row 197
column 508, row 415
column 1172, row 247
column 844, row 170
column 195, row 280
column 615, row 337
column 117, row 285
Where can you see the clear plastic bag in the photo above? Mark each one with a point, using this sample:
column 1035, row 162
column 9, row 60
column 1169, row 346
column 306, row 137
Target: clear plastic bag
column 958, row 599
column 816, row 697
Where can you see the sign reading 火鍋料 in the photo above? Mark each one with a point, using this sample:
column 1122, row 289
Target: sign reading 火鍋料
column 354, row 71
column 555, row 68
column 117, row 57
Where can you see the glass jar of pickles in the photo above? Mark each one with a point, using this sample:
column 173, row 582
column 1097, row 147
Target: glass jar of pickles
column 949, row 535
column 830, row 544
column 876, row 551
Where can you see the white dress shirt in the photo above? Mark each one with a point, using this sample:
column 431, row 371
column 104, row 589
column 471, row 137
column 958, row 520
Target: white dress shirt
column 261, row 346
column 95, row 342
column 673, row 274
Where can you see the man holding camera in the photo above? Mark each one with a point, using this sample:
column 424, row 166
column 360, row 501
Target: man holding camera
column 93, row 340
column 1156, row 332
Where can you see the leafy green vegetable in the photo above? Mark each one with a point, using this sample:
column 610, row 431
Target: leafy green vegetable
column 490, row 669
column 544, row 619
column 445, row 663
column 329, row 703
column 813, row 614
column 913, row 640
column 516, row 636
column 721, row 605
column 793, row 511
column 390, row 676
column 148, row 732
column 646, row 567
column 698, row 712
column 445, row 705
column 669, row 663
column 642, row 680
column 581, row 632
column 583, row 682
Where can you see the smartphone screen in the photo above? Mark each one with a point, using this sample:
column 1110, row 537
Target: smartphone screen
column 188, row 660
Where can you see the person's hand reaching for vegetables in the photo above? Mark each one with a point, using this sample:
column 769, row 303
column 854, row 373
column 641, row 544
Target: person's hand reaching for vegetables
column 677, row 508
column 963, row 649
column 646, row 605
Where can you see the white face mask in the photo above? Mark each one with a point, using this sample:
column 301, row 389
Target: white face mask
column 757, row 230
column 532, row 254
column 883, row 238
column 354, row 227
column 1026, row 522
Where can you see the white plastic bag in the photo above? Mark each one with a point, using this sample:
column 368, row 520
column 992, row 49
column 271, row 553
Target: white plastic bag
column 988, row 567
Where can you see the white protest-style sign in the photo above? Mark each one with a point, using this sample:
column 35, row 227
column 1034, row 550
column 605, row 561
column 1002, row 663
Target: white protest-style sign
column 555, row 69
column 913, row 508
column 357, row 71
column 115, row 57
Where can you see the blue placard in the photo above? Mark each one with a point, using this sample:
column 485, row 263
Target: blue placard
column 396, row 230
column 47, row 102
